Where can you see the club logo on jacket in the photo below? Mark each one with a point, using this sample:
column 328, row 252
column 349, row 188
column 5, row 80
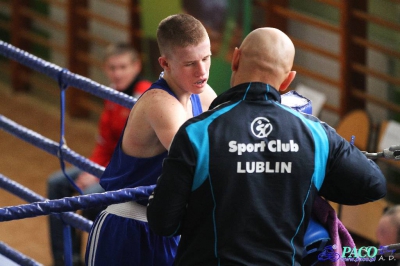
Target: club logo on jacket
column 261, row 127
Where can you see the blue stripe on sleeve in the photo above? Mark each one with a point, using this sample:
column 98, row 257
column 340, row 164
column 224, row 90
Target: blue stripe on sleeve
column 199, row 138
column 321, row 144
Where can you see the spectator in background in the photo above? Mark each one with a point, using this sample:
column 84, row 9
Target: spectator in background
column 387, row 233
column 122, row 67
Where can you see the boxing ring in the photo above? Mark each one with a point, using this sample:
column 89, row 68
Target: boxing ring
column 65, row 207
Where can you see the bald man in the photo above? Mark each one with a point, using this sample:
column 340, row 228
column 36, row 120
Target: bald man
column 240, row 179
column 387, row 233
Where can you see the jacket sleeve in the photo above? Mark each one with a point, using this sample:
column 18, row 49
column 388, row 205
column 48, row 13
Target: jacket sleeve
column 351, row 178
column 167, row 204
column 105, row 142
column 141, row 87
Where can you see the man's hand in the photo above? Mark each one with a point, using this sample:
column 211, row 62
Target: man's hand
column 85, row 180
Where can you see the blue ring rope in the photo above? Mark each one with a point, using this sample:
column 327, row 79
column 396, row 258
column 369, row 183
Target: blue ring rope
column 64, row 79
column 50, row 146
column 16, row 256
column 66, row 227
column 28, row 195
column 74, row 203
column 68, row 77
column 63, row 86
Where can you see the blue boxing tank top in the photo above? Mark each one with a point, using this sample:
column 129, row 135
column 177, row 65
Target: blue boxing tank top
column 125, row 171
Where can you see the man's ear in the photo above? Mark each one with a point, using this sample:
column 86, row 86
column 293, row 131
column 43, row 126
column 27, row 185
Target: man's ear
column 162, row 60
column 235, row 59
column 285, row 84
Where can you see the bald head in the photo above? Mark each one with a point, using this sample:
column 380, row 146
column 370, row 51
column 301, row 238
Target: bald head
column 388, row 231
column 265, row 55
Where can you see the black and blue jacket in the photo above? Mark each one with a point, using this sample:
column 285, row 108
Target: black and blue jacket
column 239, row 180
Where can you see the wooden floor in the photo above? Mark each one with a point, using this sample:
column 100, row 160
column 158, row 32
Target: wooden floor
column 30, row 166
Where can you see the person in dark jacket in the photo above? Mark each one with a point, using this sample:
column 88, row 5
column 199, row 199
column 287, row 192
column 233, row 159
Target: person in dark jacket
column 239, row 180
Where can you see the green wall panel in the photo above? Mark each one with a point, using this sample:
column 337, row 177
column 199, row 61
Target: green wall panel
column 153, row 11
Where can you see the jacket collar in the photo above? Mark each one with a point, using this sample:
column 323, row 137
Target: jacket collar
column 252, row 91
